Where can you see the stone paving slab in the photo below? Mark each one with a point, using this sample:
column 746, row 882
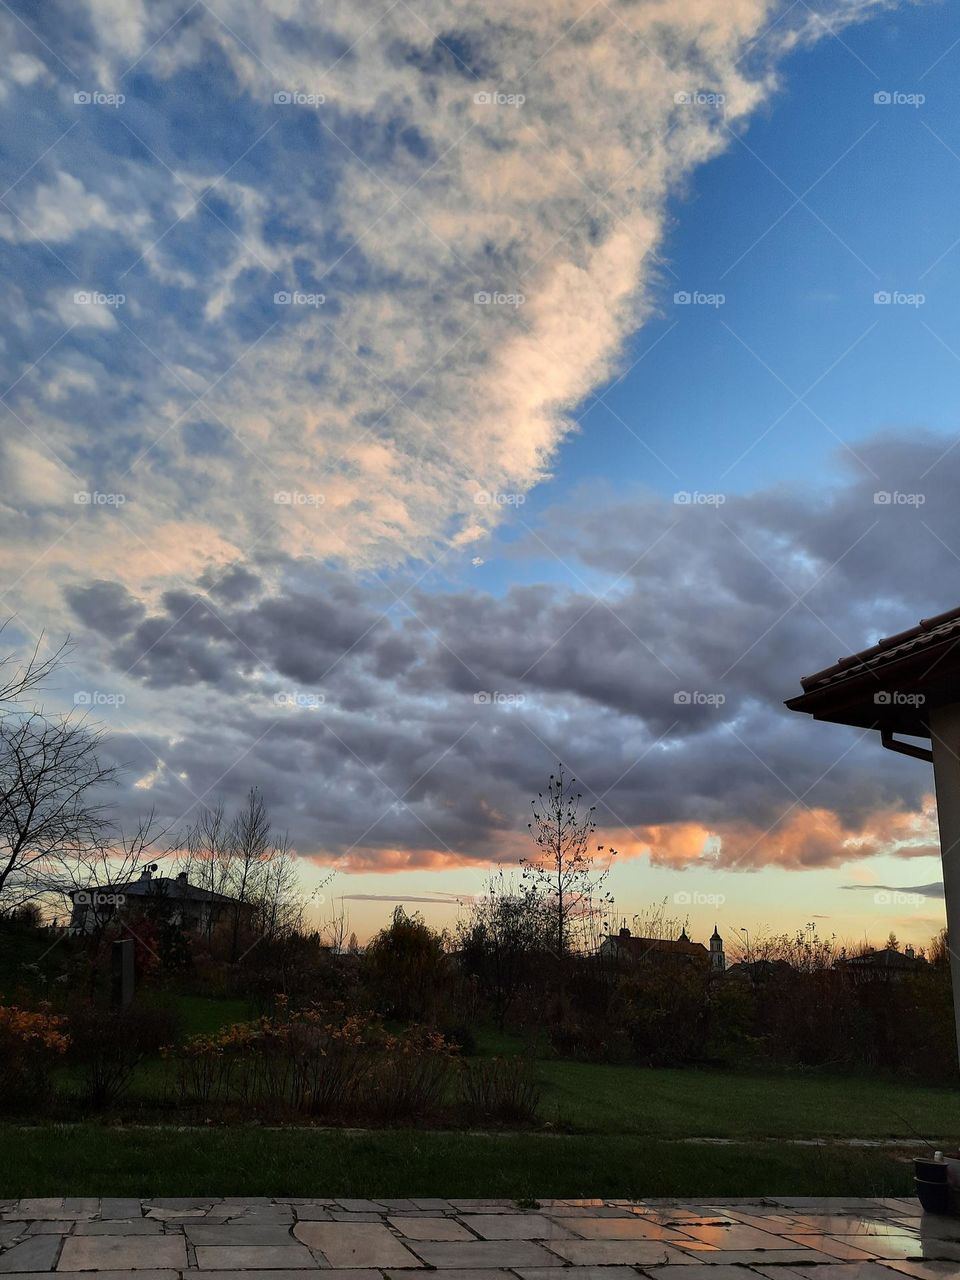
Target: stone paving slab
column 633, row 1228
column 236, row 1234
column 842, row 1248
column 122, row 1253
column 328, row 1274
column 118, row 1227
column 927, row 1270
column 176, row 1215
column 359, row 1244
column 582, row 1273
column 892, row 1247
column 258, row 1238
column 120, row 1207
column 431, row 1228
column 731, row 1236
column 37, row 1253
column 618, row 1252
column 285, row 1257
column 768, row 1257
column 518, row 1226
column 702, row 1271
column 117, row 1275
column 848, row 1271
column 466, row 1274
column 484, row 1254
column 835, row 1224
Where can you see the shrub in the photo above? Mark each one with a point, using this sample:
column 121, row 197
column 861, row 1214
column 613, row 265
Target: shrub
column 407, row 971
column 500, row 1089
column 30, row 1043
column 314, row 1062
column 206, row 1066
column 462, row 1037
column 107, row 1044
column 410, row 1078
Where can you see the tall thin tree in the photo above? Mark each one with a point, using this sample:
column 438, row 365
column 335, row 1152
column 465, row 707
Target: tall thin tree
column 564, row 867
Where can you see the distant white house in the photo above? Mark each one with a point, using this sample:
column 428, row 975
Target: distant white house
column 887, row 963
column 184, row 904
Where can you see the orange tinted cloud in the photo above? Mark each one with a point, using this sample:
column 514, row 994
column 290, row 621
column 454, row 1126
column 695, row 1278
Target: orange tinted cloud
column 388, row 860
column 801, row 838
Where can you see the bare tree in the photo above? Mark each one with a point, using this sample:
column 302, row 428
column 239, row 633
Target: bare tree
column 250, row 845
column 563, row 869
column 243, row 858
column 52, row 811
column 335, row 928
column 57, row 832
column 805, row 951
column 938, row 953
column 656, row 922
column 17, row 679
column 204, row 856
column 278, row 901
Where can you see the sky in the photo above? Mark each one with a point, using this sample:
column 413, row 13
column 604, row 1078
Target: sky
column 400, row 398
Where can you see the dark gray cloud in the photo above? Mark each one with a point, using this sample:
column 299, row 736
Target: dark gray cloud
column 922, row 890
column 107, row 607
column 392, row 734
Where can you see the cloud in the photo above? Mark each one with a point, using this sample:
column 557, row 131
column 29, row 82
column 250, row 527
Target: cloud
column 61, row 210
column 921, row 890
column 31, row 478
column 442, row 899
column 370, row 270
column 386, row 177
column 402, row 737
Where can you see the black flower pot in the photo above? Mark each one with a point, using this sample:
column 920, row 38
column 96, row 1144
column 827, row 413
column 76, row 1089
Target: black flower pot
column 930, row 1170
column 934, row 1197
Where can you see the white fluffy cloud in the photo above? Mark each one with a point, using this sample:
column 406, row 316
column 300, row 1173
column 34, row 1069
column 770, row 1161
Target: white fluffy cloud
column 432, row 155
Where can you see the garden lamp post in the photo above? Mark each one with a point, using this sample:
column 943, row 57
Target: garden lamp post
column 908, row 684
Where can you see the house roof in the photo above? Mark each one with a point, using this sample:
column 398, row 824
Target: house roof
column 886, row 958
column 160, row 887
column 638, row 947
column 894, row 683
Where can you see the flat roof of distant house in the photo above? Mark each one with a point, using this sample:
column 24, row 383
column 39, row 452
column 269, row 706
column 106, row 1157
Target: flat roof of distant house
column 161, row 887
column 888, row 958
column 894, row 684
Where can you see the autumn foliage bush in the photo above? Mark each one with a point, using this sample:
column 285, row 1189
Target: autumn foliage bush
column 310, row 1062
column 30, row 1044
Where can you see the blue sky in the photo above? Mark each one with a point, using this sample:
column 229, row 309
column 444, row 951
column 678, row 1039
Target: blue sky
column 801, row 292
column 247, row 247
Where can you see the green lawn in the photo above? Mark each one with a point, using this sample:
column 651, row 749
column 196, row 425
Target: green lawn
column 586, row 1097
column 607, row 1131
column 201, row 1015
column 87, row 1160
column 690, row 1103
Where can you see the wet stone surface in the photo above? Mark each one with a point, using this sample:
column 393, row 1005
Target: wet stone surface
column 170, row 1238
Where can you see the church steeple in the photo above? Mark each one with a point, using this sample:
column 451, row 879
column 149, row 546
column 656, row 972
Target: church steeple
column 718, row 961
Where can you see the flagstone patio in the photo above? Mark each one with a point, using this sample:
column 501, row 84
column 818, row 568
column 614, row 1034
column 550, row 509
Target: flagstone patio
column 777, row 1238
